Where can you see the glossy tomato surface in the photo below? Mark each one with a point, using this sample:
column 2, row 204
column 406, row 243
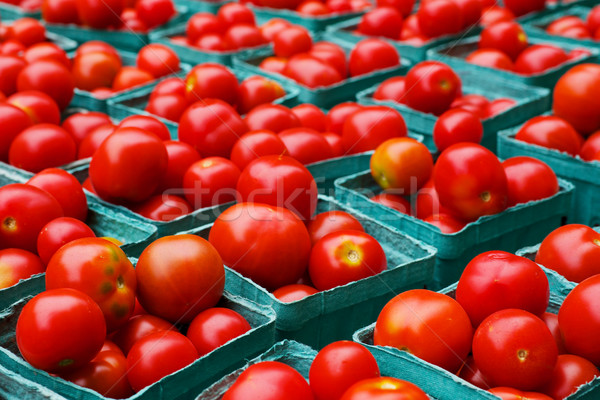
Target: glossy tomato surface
column 17, row 264
column 331, row 221
column 370, row 126
column 59, row 232
column 65, row 188
column 138, row 327
column 214, row 327
column 384, row 388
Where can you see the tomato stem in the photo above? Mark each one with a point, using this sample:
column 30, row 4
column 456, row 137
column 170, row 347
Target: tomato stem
column 9, row 223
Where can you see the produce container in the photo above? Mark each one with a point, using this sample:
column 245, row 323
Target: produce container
column 194, row 6
column 334, row 314
column 584, row 175
column 530, row 101
column 182, row 384
column 509, row 230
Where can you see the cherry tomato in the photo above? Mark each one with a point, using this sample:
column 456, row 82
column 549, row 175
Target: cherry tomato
column 338, row 114
column 258, row 90
column 539, row 58
column 272, row 117
column 80, row 124
column 370, row 55
column 91, row 143
column 384, row 389
column 311, row 71
column 381, row 21
column 370, row 126
column 491, row 58
column 291, row 293
column 13, row 121
column 529, row 179
column 214, row 327
column 551, row 132
column 146, row 123
column 65, row 188
column 17, row 264
column 59, row 232
column 155, row 12
column 508, row 37
column 291, row 40
column 255, row 144
column 311, row 116
column 42, row 146
column 437, row 18
column 40, row 107
column 158, row 59
column 138, row 327
column 49, row 77
column 306, row 145
column 210, row 181
column 129, row 77
column 393, row 201
column 434, row 86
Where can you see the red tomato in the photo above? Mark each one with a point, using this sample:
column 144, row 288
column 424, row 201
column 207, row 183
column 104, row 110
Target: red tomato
column 405, row 7
column 427, row 202
column 434, row 86
column 99, row 14
column 59, row 232
column 370, row 126
column 80, row 124
column 214, row 327
column 46, row 51
column 157, row 59
column 258, row 90
column 417, row 321
column 28, row 31
column 311, row 116
column 235, row 13
column 508, row 37
column 269, row 380
column 370, row 55
column 279, row 181
column 272, row 117
column 539, row 58
column 95, row 70
column 338, row 366
column 491, row 58
column 180, row 157
column 212, row 127
column 13, row 121
column 506, row 393
column 593, row 19
column 201, row 24
column 60, row 11
column 40, row 107
column 17, row 264
column 471, row 11
column 42, row 146
column 291, row 293
column 515, row 348
column 255, row 144
column 494, row 14
column 529, row 179
column 274, row 64
column 10, row 68
column 311, row 71
column 91, row 143
column 155, row 12
column 393, row 201
column 273, row 26
column 120, row 173
column 242, row 36
column 456, row 126
column 313, row 8
column 384, row 389
column 306, row 145
column 331, row 54
column 522, row 7
column 163, row 207
column 479, row 175
column 331, row 221
column 146, row 123
column 65, row 188
column 267, row 244
column 591, row 148
column 441, row 17
column 169, row 86
column 496, row 280
column 292, row 40
column 578, row 319
column 381, row 21
column 447, row 223
column 157, row 355
column 551, row 132
column 49, row 77
column 210, row 181
column 470, row 373
column 129, row 77
column 560, row 25
column 168, row 106
column 138, row 327
column 335, row 142
column 60, row 330
column 94, row 46
column 336, row 117
column 551, row 321
column 392, row 89
column 569, row 373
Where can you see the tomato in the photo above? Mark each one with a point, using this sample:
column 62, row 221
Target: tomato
column 551, row 132
column 514, row 348
column 91, row 143
column 10, row 68
column 471, row 11
column 210, row 181
column 60, row 11
column 473, row 103
column 65, row 188
column 330, row 54
column 311, row 116
column 507, row 37
column 46, row 51
column 95, row 70
column 427, row 202
column 593, row 19
column 235, row 13
column 17, row 264
column 155, row 12
column 392, row 89
column 13, row 121
column 146, row 123
column 272, row 117
column 447, row 223
column 212, row 81
column 274, row 64
column 40, row 107
column 267, row 244
column 291, row 293
column 551, row 321
column 157, row 59
column 94, row 46
column 470, row 373
column 529, row 179
column 506, row 393
column 80, row 124
column 180, row 157
column 42, row 146
column 338, row 366
column 306, row 145
column 437, row 18
column 539, row 58
column 138, row 327
column 417, row 321
column 522, row 7
column 242, row 36
column 456, row 126
column 384, row 388
column 255, row 144
column 313, row 8
column 49, row 77
column 57, row 233
column 370, row 55
column 214, row 327
column 163, row 207
column 212, row 127
column 99, row 14
column 569, row 373
column 562, row 24
column 494, row 14
column 335, row 143
column 258, row 90
column 28, row 31
column 269, row 380
column 338, row 114
column 60, row 330
column 120, row 173
column 201, row 24
column 402, row 164
column 291, row 40
column 405, row 7
column 157, row 355
column 491, row 58
column 331, row 221
column 311, row 71
column 591, row 148
column 393, row 201
column 129, row 77
column 434, row 86
column 381, row 21
column 370, row 126
column 273, row 26
column 579, row 321
column 167, row 106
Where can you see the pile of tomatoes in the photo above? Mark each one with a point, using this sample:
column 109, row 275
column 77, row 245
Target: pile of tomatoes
column 574, row 27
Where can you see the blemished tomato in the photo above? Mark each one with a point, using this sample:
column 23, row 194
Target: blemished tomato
column 212, row 81
column 470, row 373
column 129, row 77
column 272, row 117
column 65, row 188
column 491, row 58
column 210, row 181
column 157, row 355
column 24, row 210
column 515, row 348
column 506, row 393
column 155, row 12
column 370, row 55
column 13, row 121
column 99, row 269
column 338, row 366
column 235, row 13
column 381, row 21
column 384, row 388
column 437, row 18
column 49, row 77
column 158, row 59
column 392, row 89
column 470, row 181
column 401, row 164
column 456, row 126
column 311, row 71
column 40, row 107
column 370, row 126
column 95, row 70
column 163, row 207
column 447, row 223
column 551, row 321
column 146, row 123
column 91, row 143
column 306, row 145
column 46, row 51
column 522, row 7
column 80, row 124
column 416, row 321
column 136, row 328
column 551, row 132
column 59, row 232
column 311, row 116
column 212, row 127
column 60, row 330
column 180, row 157
column 128, row 165
column 508, row 37
column 279, row 181
column 496, row 280
column 433, row 86
column 214, row 327
column 42, row 146
column 571, row 250
column 569, row 373
column 292, row 40
column 267, row 244
column 17, row 264
column 258, row 90
column 269, row 380
column 393, row 201
column 529, row 179
column 255, row 144
column 427, row 202
column 331, row 221
column 291, row 293
column 539, row 58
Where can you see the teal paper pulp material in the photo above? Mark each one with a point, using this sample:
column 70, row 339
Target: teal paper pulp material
column 183, row 384
column 530, row 101
column 454, row 56
column 335, row 314
column 584, row 175
column 325, row 97
column 195, row 6
column 523, row 224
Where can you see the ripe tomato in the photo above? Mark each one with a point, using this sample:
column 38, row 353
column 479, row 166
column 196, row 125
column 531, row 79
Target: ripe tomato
column 393, row 201
column 212, row 127
column 563, row 24
column 154, row 12
column 146, row 123
column 168, row 106
column 255, row 144
column 128, row 165
column 17, row 264
column 336, row 117
column 539, row 58
column 306, row 145
column 180, row 157
column 569, row 373
column 335, row 143
column 591, row 148
column 274, row 64
column 10, row 68
column 272, row 117
column 416, row 321
column 470, row 373
column 95, row 70
column 514, row 348
column 270, row 28
column 508, row 37
column 370, row 126
column 49, row 77
column 392, row 89
column 495, row 13
column 65, row 188
column 402, row 164
column 434, row 86
column 158, row 59
column 60, row 11
column 40, row 107
column 212, row 81
column 99, row 14
column 129, row 77
column 163, row 207
column 267, row 244
column 24, row 210
column 384, row 388
column 522, row 7
column 13, row 121
column 370, row 55
column 447, row 223
column 551, row 321
column 242, row 36
column 258, row 90
column 571, row 250
column 331, row 221
column 175, row 86
column 311, row 116
column 456, row 126
column 269, row 380
column 529, row 179
column 496, row 280
column 292, row 40
column 235, row 13
column 381, row 21
column 405, row 7
column 138, row 327
column 291, row 293
column 331, row 54
column 81, row 124
column 59, row 232
column 28, row 31
column 157, row 355
column 214, row 327
column 437, row 18
column 311, row 71
column 46, row 51
column 338, row 366
column 210, row 181
column 312, row 8
column 427, row 202
column 203, row 23
column 551, row 132
column 506, row 393
column 60, row 330
column 491, row 58
column 42, row 146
